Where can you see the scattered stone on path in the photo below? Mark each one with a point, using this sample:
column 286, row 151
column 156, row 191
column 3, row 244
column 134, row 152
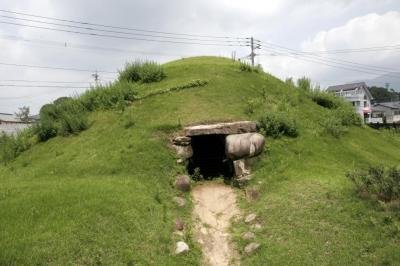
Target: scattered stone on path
column 179, row 225
column 180, row 201
column 180, row 161
column 181, row 247
column 256, row 226
column 250, row 248
column 250, row 218
column 183, row 183
column 248, row 235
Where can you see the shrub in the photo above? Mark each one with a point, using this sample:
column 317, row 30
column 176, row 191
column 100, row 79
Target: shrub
column 304, row 84
column 326, row 100
column 118, row 95
column 65, row 117
column 289, row 82
column 278, row 124
column 245, row 67
column 144, row 71
column 251, row 106
column 332, row 125
column 348, row 116
column 14, row 145
column 377, row 181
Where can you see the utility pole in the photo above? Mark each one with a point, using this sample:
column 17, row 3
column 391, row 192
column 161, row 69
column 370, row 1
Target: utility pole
column 96, row 78
column 252, row 54
column 254, row 45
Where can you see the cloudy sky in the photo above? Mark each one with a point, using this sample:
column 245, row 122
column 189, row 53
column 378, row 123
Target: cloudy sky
column 294, row 35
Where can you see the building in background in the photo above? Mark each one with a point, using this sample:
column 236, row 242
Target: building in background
column 386, row 113
column 359, row 96
column 10, row 124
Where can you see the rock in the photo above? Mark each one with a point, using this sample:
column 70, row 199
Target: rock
column 180, row 201
column 250, row 248
column 184, row 151
column 248, row 235
column 221, row 128
column 241, row 181
column 183, row 183
column 180, row 161
column 179, row 225
column 250, row 218
column 181, row 247
column 256, row 226
column 182, row 141
column 241, row 168
column 238, row 146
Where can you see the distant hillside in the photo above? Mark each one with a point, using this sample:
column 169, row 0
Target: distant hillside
column 394, row 83
column 105, row 196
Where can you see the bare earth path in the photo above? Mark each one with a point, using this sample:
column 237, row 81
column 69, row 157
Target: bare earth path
column 214, row 206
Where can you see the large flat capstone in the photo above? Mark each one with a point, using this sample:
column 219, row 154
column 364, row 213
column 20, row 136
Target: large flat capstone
column 221, row 128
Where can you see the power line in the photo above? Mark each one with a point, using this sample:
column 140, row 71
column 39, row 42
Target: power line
column 357, row 50
column 57, row 68
column 86, row 47
column 119, row 37
column 127, row 33
column 348, row 65
column 331, row 65
column 119, row 27
column 366, row 66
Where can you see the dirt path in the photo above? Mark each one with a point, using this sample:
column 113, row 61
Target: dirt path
column 214, row 206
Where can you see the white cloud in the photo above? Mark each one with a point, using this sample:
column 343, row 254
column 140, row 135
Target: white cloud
column 370, row 30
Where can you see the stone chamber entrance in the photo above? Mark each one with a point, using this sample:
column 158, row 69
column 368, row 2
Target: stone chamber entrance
column 209, row 156
column 220, row 149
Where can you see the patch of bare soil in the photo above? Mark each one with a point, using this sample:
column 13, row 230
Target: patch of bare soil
column 214, row 207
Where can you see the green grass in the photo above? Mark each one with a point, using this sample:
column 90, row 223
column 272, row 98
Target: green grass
column 105, row 195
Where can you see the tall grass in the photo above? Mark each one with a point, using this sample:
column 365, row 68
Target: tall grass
column 142, row 71
column 13, row 145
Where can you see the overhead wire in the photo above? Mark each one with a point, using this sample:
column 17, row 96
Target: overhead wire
column 127, row 33
column 356, row 67
column 120, row 27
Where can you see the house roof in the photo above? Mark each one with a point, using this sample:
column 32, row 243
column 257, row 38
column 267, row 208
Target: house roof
column 350, row 86
column 391, row 105
column 345, row 87
column 13, row 118
column 9, row 117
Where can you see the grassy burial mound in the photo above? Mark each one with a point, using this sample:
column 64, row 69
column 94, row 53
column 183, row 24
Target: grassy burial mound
column 101, row 192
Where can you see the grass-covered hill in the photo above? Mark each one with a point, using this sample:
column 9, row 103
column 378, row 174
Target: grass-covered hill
column 104, row 196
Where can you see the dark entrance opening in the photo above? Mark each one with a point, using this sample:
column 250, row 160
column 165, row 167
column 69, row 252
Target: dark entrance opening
column 209, row 157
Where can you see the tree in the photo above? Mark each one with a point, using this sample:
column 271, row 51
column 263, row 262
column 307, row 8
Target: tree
column 23, row 114
column 381, row 94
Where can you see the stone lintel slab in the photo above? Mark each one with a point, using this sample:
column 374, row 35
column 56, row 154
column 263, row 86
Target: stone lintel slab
column 221, row 128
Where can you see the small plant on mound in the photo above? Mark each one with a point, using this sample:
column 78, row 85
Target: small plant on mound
column 143, row 71
column 278, row 124
column 246, row 67
column 377, row 181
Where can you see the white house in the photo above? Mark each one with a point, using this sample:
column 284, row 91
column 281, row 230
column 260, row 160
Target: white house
column 359, row 96
column 10, row 124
